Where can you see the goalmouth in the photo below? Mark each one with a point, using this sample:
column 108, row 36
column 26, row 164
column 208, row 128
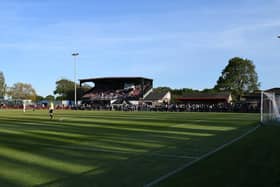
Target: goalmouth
column 270, row 106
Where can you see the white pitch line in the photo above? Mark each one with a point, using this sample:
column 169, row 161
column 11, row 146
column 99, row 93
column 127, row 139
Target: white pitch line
column 156, row 181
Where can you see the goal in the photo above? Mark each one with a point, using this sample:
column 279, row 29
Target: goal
column 270, row 106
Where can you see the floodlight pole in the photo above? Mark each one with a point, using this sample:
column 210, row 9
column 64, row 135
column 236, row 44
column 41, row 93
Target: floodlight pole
column 261, row 107
column 75, row 69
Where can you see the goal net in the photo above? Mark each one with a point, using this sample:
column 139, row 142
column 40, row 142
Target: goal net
column 270, row 106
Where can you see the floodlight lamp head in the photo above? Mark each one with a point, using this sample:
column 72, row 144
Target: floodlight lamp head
column 75, row 54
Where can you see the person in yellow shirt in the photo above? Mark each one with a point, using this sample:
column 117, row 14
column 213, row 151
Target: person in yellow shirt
column 51, row 110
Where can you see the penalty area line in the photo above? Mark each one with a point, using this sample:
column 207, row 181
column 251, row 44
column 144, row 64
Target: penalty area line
column 187, row 165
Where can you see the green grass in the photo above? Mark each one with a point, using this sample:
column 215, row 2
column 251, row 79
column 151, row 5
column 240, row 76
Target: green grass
column 251, row 162
column 86, row 148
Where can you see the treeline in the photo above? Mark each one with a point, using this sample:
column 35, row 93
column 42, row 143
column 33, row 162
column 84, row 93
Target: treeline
column 64, row 90
column 239, row 77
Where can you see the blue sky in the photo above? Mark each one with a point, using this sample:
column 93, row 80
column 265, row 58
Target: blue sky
column 178, row 43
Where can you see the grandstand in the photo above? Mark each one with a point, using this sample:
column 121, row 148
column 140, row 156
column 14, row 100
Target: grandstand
column 115, row 90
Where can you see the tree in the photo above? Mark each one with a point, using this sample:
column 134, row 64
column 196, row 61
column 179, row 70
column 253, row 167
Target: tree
column 162, row 89
column 50, row 98
column 66, row 91
column 208, row 90
column 238, row 77
column 39, row 98
column 22, row 91
column 2, row 85
column 175, row 93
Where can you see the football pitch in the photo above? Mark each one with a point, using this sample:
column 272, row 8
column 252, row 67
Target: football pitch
column 98, row 148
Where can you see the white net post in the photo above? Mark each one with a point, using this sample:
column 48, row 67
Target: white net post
column 270, row 104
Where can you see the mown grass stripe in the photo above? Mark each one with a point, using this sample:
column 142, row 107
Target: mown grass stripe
column 113, row 142
column 186, row 165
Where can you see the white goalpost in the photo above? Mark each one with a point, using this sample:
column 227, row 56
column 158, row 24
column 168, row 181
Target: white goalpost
column 270, row 106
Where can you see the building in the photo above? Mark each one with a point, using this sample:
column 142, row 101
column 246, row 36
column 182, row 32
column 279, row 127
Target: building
column 158, row 97
column 274, row 90
column 206, row 98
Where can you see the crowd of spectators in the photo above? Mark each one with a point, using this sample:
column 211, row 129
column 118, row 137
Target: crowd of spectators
column 131, row 92
column 101, row 94
column 238, row 107
column 176, row 107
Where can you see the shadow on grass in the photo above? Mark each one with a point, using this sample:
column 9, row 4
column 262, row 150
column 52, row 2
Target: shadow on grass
column 106, row 151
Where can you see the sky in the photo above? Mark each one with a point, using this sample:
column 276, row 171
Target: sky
column 178, row 43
